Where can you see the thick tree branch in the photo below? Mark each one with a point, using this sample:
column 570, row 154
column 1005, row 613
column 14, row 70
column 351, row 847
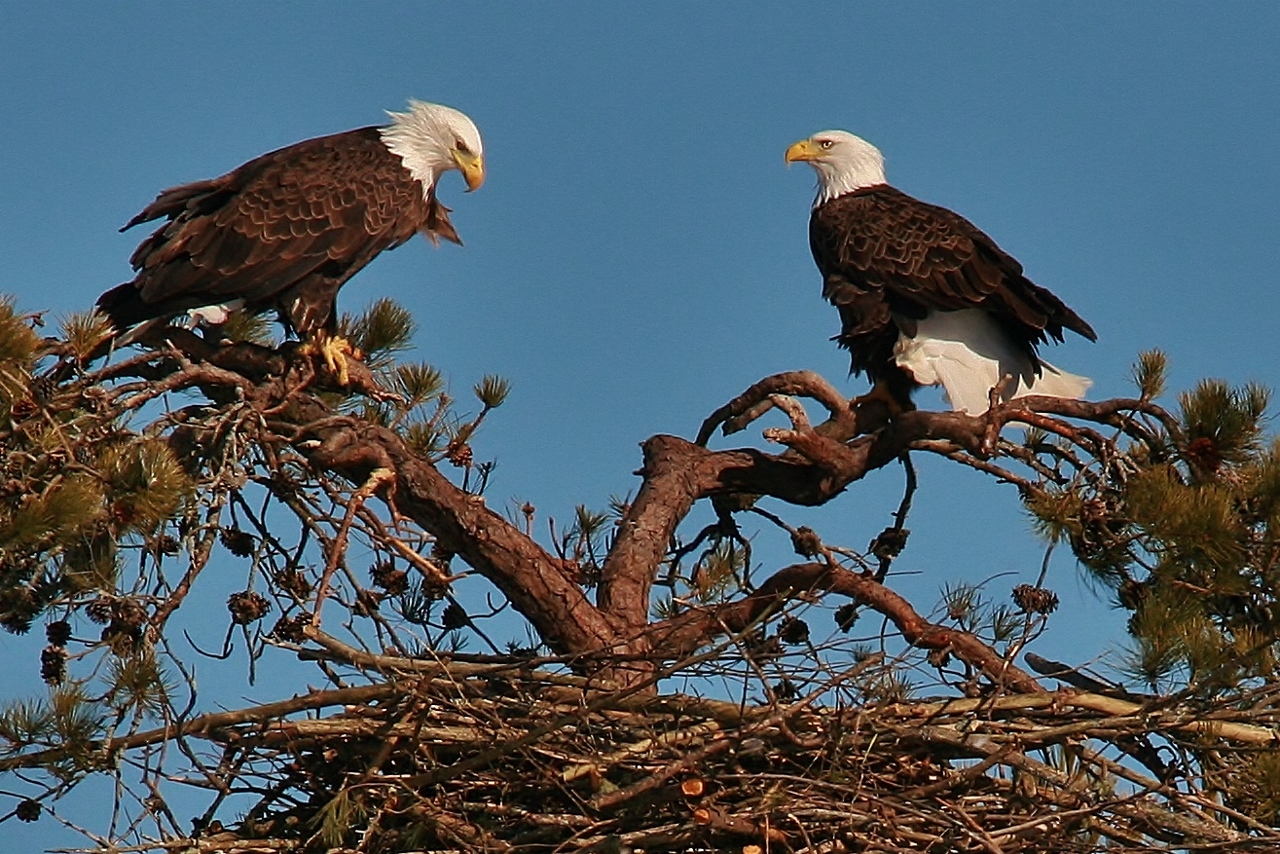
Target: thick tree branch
column 529, row 576
column 681, row 635
column 758, row 399
column 821, row 462
column 677, row 473
column 204, row 724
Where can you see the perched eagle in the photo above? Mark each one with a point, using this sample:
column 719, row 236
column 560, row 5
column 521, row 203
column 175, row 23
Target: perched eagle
column 286, row 230
column 925, row 297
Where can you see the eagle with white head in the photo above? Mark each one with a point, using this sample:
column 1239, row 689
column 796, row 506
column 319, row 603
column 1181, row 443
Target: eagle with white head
column 286, row 230
column 925, row 297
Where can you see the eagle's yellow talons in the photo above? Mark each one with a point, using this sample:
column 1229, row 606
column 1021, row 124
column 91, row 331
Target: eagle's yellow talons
column 335, row 351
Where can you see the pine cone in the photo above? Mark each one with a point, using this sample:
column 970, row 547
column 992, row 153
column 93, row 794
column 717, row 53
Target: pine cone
column 130, row 613
column 238, row 542
column 806, row 542
column 454, row 617
column 167, row 544
column 247, row 607
column 460, row 455
column 433, row 590
column 42, row 388
column 18, row 607
column 53, row 665
column 846, row 616
column 58, row 632
column 793, row 630
column 99, row 610
column 889, row 543
column 386, row 576
column 939, row 657
column 27, row 810
column 294, row 583
column 121, row 637
column 1203, row 453
column 1035, row 600
column 290, row 629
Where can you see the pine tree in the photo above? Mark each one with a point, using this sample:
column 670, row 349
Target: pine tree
column 673, row 690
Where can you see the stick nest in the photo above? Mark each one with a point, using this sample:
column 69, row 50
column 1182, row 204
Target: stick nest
column 504, row 757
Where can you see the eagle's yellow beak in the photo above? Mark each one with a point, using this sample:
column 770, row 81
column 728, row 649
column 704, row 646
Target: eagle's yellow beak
column 803, row 150
column 471, row 166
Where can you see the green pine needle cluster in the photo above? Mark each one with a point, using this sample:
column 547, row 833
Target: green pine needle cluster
column 248, row 327
column 1184, row 529
column 85, row 331
column 67, row 510
column 1257, row 789
column 137, row 684
column 68, row 721
column 418, row 383
column 384, row 329
column 75, row 484
column 424, row 416
column 1149, row 374
column 18, row 345
column 336, row 819
column 1192, row 526
column 718, row 571
column 1223, row 426
column 492, row 391
column 146, row 481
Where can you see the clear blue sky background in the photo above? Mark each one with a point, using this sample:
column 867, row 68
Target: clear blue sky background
column 638, row 254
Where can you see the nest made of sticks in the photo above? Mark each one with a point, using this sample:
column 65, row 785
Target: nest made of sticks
column 503, row 757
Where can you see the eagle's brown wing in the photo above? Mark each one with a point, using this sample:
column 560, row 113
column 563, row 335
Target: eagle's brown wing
column 290, row 225
column 888, row 258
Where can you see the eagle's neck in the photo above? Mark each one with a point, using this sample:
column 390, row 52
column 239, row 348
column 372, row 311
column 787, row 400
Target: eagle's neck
column 422, row 145
column 855, row 170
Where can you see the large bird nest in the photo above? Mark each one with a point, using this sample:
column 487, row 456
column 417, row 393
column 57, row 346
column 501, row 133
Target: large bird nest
column 503, row 756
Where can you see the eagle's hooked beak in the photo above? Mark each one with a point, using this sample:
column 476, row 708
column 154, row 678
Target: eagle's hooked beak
column 803, row 150
column 471, row 166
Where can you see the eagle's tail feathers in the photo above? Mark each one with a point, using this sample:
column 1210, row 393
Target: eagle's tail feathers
column 965, row 353
column 1056, row 383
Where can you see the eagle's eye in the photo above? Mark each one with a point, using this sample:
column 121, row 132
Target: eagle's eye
column 461, row 146
column 824, row 144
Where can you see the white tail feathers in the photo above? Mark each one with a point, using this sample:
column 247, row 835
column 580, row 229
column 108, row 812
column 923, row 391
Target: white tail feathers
column 966, row 353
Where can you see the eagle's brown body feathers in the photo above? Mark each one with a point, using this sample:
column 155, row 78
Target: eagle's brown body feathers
column 887, row 259
column 283, row 231
column 925, row 297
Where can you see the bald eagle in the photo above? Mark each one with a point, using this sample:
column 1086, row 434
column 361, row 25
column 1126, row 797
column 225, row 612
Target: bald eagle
column 925, row 297
column 286, row 230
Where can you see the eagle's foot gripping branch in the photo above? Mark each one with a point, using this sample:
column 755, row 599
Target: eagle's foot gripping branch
column 335, row 350
column 344, row 367
column 876, row 408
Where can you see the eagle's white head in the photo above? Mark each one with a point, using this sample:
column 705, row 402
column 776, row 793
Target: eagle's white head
column 431, row 139
column 844, row 162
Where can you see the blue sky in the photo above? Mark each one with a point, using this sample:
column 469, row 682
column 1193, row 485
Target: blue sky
column 639, row 252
